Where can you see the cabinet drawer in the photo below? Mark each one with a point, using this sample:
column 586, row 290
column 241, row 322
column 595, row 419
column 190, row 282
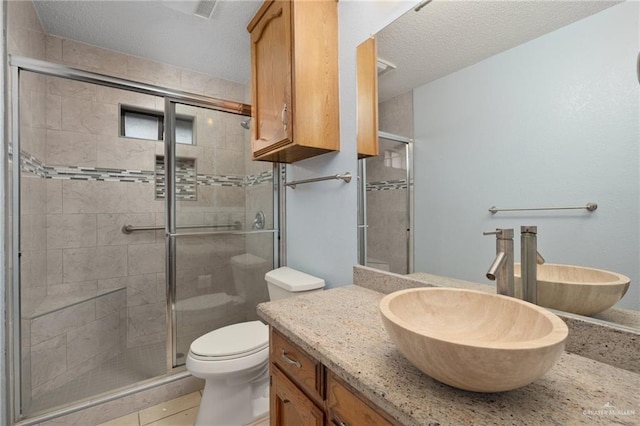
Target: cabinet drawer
column 289, row 405
column 346, row 409
column 303, row 370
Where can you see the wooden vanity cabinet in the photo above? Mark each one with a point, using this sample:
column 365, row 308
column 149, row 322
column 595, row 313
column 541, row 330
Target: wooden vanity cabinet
column 289, row 406
column 367, row 98
column 345, row 408
column 305, row 371
column 304, row 392
column 297, row 385
column 294, row 90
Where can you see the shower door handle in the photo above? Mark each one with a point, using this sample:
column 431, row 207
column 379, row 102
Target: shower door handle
column 195, row 234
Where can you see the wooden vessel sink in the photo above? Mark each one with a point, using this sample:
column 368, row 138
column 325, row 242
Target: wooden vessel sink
column 472, row 340
column 577, row 289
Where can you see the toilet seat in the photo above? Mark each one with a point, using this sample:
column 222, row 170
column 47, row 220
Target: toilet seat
column 234, row 360
column 231, row 342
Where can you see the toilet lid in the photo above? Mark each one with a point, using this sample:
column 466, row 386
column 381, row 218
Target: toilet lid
column 235, row 339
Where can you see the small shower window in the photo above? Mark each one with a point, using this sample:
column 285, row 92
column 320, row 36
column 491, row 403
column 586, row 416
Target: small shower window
column 394, row 159
column 147, row 124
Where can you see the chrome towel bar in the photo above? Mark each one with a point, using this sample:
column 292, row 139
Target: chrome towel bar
column 589, row 206
column 345, row 177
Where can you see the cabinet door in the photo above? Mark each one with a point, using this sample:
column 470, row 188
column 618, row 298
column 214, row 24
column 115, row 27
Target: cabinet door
column 367, row 97
column 271, row 81
column 289, row 405
column 346, row 409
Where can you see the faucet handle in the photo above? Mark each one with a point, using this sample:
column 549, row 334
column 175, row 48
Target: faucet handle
column 501, row 233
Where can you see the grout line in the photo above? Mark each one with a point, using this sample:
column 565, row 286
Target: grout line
column 167, row 416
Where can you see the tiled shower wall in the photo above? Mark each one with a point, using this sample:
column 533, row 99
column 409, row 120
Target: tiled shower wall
column 82, row 182
column 387, row 191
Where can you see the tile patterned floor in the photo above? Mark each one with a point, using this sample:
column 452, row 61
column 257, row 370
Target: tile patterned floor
column 181, row 411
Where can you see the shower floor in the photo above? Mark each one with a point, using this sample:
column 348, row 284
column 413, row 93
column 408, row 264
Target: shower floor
column 131, row 367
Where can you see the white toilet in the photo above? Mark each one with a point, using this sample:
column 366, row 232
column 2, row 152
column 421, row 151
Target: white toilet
column 234, row 360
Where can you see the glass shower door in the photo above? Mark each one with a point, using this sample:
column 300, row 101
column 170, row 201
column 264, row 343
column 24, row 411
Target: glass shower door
column 384, row 206
column 222, row 240
column 119, row 260
column 92, row 309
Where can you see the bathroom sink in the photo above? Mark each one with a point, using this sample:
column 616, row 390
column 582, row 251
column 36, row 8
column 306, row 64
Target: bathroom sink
column 472, row 340
column 577, row 289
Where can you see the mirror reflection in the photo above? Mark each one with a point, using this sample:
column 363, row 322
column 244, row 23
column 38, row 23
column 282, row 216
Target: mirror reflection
column 513, row 105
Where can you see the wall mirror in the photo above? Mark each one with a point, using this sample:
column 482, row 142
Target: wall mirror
column 514, row 105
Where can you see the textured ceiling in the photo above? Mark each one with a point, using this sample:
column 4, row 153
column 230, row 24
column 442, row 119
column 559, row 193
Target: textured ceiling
column 443, row 37
column 162, row 31
column 446, row 36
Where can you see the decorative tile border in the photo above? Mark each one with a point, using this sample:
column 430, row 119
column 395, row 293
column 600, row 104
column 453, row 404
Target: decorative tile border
column 221, row 180
column 29, row 163
column 98, row 174
column 387, row 185
column 187, row 179
column 258, row 179
column 235, row 180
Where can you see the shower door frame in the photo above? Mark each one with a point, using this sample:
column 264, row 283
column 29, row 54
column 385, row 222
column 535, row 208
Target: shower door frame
column 18, row 64
column 171, row 229
column 363, row 226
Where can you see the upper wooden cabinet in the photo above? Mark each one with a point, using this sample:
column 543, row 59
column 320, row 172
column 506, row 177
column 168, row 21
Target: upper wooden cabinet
column 294, row 63
column 367, row 96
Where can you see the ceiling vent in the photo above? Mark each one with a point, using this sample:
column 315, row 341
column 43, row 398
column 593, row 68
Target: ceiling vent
column 384, row 66
column 204, row 8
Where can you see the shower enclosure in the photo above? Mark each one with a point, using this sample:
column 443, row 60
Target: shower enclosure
column 136, row 230
column 385, row 205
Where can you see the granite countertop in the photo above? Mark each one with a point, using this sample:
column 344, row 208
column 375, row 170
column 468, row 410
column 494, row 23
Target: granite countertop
column 342, row 329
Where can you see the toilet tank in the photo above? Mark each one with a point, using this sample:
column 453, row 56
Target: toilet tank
column 286, row 282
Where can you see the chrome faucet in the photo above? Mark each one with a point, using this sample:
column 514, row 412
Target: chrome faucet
column 501, row 270
column 529, row 261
